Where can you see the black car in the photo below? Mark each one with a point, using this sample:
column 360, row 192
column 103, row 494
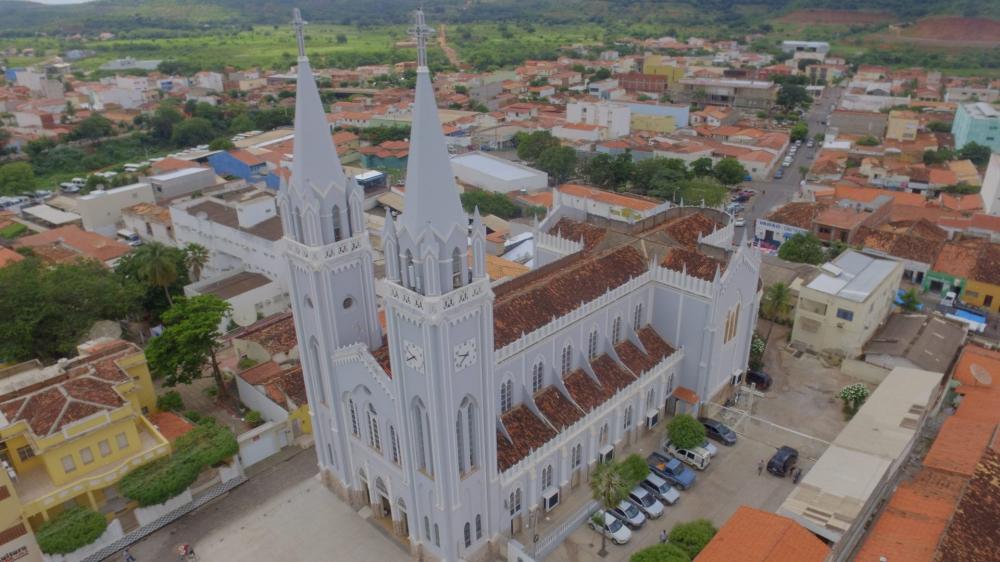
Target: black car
column 783, row 461
column 718, row 431
column 760, row 378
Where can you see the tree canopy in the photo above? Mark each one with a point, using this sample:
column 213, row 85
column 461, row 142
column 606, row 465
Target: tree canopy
column 189, row 341
column 94, row 127
column 685, row 431
column 160, row 270
column 489, row 203
column 661, row 553
column 16, row 177
column 693, row 536
column 791, row 96
column 979, row 154
column 531, row 145
column 559, row 162
column 803, row 248
column 799, row 131
column 729, row 171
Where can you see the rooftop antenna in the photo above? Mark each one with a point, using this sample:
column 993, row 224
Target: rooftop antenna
column 300, row 36
column 420, row 31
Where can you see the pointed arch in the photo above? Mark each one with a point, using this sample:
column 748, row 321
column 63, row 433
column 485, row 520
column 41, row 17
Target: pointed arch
column 537, row 375
column 317, row 368
column 567, row 359
column 297, row 231
column 616, row 330
column 465, row 433
column 457, row 267
column 335, row 224
column 592, row 344
column 506, row 396
column 422, row 435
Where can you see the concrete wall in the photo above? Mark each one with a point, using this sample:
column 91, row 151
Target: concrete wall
column 865, row 371
column 147, row 515
column 102, row 210
column 262, row 442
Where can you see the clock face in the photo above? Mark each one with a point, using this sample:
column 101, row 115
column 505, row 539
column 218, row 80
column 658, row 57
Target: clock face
column 413, row 356
column 465, row 354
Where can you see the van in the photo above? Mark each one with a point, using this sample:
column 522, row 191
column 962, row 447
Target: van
column 695, row 457
column 129, row 237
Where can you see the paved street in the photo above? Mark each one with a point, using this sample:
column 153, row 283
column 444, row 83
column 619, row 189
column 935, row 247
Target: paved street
column 282, row 514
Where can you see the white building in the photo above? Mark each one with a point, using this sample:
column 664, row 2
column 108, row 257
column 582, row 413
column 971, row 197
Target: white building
column 483, row 405
column 990, row 191
column 614, row 117
column 497, row 174
column 212, row 81
column 151, row 222
column 101, row 210
column 178, row 183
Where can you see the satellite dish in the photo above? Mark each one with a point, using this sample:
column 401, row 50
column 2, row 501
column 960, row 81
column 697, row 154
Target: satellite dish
column 981, row 375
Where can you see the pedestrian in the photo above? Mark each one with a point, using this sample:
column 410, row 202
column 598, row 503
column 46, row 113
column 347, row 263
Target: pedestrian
column 797, row 476
column 760, row 467
column 128, row 556
column 663, row 536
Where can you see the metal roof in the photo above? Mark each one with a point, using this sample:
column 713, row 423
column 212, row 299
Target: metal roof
column 493, row 166
column 852, row 276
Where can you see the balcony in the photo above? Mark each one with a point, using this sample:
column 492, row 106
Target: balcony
column 38, row 493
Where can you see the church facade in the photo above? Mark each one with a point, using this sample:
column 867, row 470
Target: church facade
column 482, row 404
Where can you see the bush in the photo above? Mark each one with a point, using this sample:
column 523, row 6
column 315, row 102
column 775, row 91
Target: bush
column 170, row 402
column 253, row 418
column 634, row 469
column 13, row 230
column 162, row 479
column 693, row 536
column 74, row 528
column 661, row 553
column 245, row 363
column 853, row 395
column 685, row 431
column 193, row 416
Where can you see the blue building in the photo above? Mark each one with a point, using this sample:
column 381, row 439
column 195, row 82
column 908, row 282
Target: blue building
column 977, row 122
column 242, row 164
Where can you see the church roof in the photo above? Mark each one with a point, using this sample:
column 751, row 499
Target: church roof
column 611, row 374
column 585, row 391
column 527, row 433
column 315, row 163
column 557, row 408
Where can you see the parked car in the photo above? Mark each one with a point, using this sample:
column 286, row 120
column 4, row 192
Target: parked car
column 949, row 299
column 615, row 529
column 810, row 144
column 644, row 500
column 718, row 431
column 740, row 221
column 782, row 461
column 671, row 470
column 696, row 457
column 759, row 378
column 629, row 514
column 661, row 489
column 779, row 174
column 708, row 446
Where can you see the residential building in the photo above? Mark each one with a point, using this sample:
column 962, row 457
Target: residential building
column 841, row 221
column 580, row 132
column 977, row 122
column 754, row 535
column 101, row 209
column 850, row 122
column 845, row 486
column 652, row 116
column 845, row 303
column 814, row 49
column 635, row 82
column 614, row 118
column 902, row 125
column 916, row 244
column 150, row 221
column 70, row 431
column 971, row 268
column 659, row 65
column 179, row 183
column 747, row 94
column 240, row 229
column 491, row 173
column 606, row 204
column 67, row 244
column 251, row 295
column 17, row 540
column 714, row 116
column 786, row 221
column 483, row 405
column 990, row 191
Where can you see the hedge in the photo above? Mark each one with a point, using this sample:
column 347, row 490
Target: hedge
column 74, row 528
column 165, row 478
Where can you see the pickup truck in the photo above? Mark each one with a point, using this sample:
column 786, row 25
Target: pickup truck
column 671, row 470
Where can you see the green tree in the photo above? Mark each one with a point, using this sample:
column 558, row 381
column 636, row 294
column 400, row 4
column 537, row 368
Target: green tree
column 489, row 203
column 803, row 171
column 702, row 167
column 46, row 311
column 163, row 121
column 729, row 171
column 609, row 487
column 16, row 177
column 192, row 132
column 634, row 470
column 531, row 145
column 776, row 304
column 609, row 172
column 134, row 268
column 221, row 143
column 692, row 536
column 559, row 162
column 601, row 74
column 867, row 140
column 659, row 176
column 94, row 127
column 910, row 301
column 939, row 127
column 978, row 153
column 802, row 248
column 799, row 131
column 685, row 431
column 661, row 553
column 709, row 191
column 241, row 124
column 196, row 257
column 157, row 267
column 189, row 341
column 341, row 39
column 70, row 530
column 791, row 96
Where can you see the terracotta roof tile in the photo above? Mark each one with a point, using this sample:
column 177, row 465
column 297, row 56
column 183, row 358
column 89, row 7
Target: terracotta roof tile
column 611, row 375
column 557, row 408
column 585, row 391
column 527, row 433
column 261, row 373
column 687, row 229
column 633, row 357
column 78, row 241
column 576, row 231
column 92, row 390
column 974, row 532
column 799, row 214
column 694, row 263
column 276, row 334
column 753, row 535
column 170, row 425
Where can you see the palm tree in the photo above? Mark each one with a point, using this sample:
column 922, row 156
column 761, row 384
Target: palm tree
column 157, row 267
column 195, row 258
column 609, row 486
column 776, row 304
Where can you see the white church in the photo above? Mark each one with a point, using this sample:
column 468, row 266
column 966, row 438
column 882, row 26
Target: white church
column 484, row 403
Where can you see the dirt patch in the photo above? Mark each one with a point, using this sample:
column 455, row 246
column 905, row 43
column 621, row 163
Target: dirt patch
column 835, row 17
column 953, row 30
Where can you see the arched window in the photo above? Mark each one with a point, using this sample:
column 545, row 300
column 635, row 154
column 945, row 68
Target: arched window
column 394, row 444
column 603, row 435
column 650, row 398
column 410, row 270
column 314, row 355
column 374, row 439
column 547, row 477
column 517, row 500
column 577, row 457
column 567, row 359
column 506, row 396
column 461, row 443
column 467, row 533
column 465, row 431
column 592, row 345
column 456, row 269
column 537, row 376
column 297, row 226
column 616, row 330
column 421, row 424
column 437, row 536
column 628, row 416
column 479, row 527
column 637, row 319
column 427, row 528
column 337, row 234
column 355, row 430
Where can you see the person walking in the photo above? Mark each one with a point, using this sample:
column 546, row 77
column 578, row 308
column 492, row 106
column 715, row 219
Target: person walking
column 663, row 536
column 128, row 556
column 760, row 467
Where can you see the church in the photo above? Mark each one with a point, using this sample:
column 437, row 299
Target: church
column 482, row 403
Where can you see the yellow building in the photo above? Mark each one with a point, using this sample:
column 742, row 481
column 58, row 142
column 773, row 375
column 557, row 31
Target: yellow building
column 659, row 65
column 903, row 125
column 69, row 432
column 982, row 294
column 654, row 123
column 17, row 541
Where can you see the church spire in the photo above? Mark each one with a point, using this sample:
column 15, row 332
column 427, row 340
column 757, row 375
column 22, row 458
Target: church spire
column 431, row 194
column 315, row 162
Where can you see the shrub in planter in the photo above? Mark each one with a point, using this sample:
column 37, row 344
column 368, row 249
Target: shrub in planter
column 170, row 402
column 661, row 553
column 74, row 528
column 253, row 418
column 693, row 535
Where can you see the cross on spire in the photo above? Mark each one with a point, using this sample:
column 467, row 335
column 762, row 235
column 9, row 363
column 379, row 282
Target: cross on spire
column 420, row 31
column 299, row 25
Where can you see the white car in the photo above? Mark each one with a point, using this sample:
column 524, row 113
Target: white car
column 708, row 445
column 629, row 514
column 664, row 491
column 645, row 501
column 615, row 529
column 740, row 221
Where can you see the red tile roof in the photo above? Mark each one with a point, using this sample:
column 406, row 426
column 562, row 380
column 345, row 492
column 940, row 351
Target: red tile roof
column 48, row 410
column 974, row 532
column 78, row 241
column 276, row 333
column 610, row 374
column 577, row 231
column 694, row 263
column 8, row 256
column 170, row 425
column 557, row 408
column 753, row 535
column 527, row 433
column 687, row 229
